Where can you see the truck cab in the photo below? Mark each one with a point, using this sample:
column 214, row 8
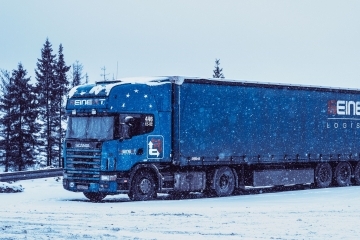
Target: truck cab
column 113, row 132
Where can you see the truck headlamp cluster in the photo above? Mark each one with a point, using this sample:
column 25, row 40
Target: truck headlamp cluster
column 108, row 177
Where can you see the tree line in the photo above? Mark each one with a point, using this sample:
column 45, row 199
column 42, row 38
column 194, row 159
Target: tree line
column 32, row 115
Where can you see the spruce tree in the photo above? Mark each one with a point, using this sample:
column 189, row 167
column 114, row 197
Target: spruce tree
column 5, row 119
column 21, row 103
column 60, row 90
column 218, row 71
column 46, row 82
column 86, row 78
column 76, row 74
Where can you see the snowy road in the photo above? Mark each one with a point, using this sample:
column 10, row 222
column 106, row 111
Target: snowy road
column 45, row 211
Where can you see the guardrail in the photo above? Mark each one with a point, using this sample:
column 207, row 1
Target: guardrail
column 23, row 175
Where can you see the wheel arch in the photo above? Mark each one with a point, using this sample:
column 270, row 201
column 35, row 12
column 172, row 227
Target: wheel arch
column 152, row 168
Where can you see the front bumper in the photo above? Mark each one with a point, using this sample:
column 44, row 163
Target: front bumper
column 120, row 185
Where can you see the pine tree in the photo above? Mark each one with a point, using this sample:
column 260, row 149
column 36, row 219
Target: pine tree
column 21, row 103
column 46, row 82
column 218, row 71
column 60, row 90
column 76, row 74
column 5, row 120
column 86, row 78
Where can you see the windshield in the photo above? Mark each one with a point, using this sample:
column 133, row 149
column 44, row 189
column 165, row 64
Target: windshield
column 100, row 128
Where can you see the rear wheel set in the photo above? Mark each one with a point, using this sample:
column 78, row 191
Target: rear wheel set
column 324, row 175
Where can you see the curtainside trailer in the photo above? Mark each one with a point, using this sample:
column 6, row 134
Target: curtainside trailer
column 144, row 136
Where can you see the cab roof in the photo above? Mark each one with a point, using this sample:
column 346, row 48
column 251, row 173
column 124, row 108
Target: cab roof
column 103, row 88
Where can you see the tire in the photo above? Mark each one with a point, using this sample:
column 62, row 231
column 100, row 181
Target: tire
column 357, row 174
column 143, row 187
column 342, row 174
column 323, row 175
column 224, row 182
column 94, row 196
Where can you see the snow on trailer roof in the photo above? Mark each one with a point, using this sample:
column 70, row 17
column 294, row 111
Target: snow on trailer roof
column 225, row 81
column 103, row 88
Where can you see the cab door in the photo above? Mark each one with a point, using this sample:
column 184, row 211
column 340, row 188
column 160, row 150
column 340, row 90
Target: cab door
column 134, row 143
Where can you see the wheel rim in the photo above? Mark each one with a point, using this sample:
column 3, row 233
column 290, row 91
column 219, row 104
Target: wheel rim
column 224, row 182
column 344, row 173
column 145, row 186
column 323, row 174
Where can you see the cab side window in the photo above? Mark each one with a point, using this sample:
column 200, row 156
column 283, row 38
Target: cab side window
column 136, row 124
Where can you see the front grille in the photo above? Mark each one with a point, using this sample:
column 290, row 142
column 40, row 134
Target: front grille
column 83, row 165
column 83, row 159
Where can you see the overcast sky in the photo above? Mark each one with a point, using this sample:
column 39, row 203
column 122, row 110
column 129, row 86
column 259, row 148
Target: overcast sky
column 298, row 42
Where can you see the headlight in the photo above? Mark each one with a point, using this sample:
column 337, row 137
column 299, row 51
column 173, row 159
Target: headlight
column 108, row 177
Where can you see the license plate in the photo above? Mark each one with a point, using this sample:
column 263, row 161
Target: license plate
column 82, row 187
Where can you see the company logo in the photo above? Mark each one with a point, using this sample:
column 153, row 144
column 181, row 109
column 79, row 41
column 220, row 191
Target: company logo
column 82, row 145
column 342, row 107
column 87, row 102
column 155, row 147
column 344, row 114
column 127, row 151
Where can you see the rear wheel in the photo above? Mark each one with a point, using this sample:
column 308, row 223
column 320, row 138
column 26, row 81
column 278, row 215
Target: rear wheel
column 95, row 196
column 343, row 174
column 224, row 181
column 143, row 187
column 357, row 174
column 323, row 175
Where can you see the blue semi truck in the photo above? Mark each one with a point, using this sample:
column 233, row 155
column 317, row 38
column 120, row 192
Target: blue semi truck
column 144, row 136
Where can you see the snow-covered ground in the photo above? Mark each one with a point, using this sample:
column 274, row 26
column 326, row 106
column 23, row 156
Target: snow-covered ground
column 45, row 211
column 10, row 187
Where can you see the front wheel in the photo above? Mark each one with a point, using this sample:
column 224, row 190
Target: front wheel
column 94, row 196
column 143, row 187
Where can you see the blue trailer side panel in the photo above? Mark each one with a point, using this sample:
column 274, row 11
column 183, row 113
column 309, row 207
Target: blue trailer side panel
column 264, row 124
